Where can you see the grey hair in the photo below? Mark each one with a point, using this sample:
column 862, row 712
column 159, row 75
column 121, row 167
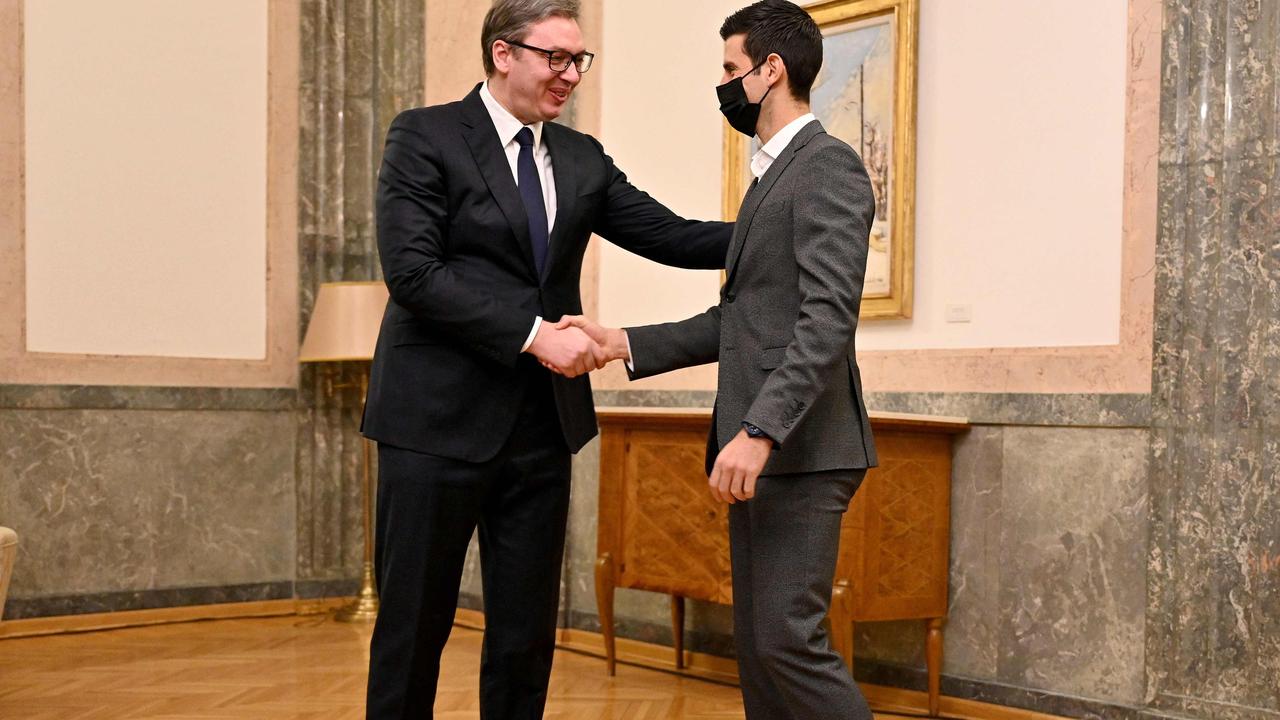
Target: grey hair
column 511, row 20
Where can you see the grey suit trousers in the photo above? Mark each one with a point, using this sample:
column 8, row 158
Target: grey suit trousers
column 783, row 547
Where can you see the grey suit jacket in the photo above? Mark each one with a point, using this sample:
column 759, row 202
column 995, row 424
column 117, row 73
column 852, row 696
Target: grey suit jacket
column 784, row 329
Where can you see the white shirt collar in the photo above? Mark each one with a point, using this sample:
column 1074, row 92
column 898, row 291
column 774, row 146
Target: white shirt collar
column 764, row 157
column 506, row 123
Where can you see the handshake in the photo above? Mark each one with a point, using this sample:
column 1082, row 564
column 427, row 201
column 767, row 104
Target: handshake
column 576, row 346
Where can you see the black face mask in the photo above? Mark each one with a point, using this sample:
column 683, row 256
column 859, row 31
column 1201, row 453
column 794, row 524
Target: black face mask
column 742, row 114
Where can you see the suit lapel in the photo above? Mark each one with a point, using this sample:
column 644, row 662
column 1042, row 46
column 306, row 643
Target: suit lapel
column 563, row 168
column 482, row 139
column 754, row 197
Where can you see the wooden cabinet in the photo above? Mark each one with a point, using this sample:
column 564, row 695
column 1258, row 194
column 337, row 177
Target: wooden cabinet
column 660, row 530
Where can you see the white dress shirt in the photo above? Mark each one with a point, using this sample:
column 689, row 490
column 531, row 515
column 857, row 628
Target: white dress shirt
column 764, row 157
column 508, row 126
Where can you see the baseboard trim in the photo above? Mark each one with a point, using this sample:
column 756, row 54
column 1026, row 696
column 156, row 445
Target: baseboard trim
column 62, row 624
column 50, row 606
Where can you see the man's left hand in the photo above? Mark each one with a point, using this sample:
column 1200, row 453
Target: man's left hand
column 738, row 466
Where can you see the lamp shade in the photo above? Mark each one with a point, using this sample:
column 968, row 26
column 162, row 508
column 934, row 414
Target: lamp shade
column 344, row 325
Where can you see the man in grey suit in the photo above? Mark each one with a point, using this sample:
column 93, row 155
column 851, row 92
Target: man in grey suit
column 790, row 440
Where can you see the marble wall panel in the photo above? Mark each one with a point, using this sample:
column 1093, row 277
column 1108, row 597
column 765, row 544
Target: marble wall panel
column 1072, row 561
column 101, row 397
column 580, row 544
column 138, row 500
column 1047, row 583
column 977, row 514
column 1091, row 410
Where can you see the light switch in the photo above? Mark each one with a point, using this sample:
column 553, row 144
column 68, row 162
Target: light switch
column 959, row 313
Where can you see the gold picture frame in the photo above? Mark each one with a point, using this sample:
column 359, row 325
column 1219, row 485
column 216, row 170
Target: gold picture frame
column 867, row 25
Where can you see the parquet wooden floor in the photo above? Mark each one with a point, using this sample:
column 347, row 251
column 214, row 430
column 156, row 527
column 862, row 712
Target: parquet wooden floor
column 297, row 668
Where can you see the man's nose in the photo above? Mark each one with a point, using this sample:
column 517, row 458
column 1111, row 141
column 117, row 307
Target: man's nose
column 571, row 74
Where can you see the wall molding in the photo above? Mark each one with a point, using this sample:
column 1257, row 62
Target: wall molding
column 1124, row 368
column 1018, row 409
column 279, row 368
column 99, row 397
column 140, row 618
column 195, row 599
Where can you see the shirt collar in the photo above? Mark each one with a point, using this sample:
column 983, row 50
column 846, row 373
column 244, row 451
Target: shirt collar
column 506, row 123
column 765, row 156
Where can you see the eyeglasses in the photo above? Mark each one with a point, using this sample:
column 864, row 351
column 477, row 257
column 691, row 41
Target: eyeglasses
column 559, row 60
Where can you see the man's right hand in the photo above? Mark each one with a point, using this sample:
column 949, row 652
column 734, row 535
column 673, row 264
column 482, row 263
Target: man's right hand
column 568, row 350
column 612, row 341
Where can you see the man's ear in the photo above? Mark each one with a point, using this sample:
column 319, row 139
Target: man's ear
column 776, row 66
column 501, row 54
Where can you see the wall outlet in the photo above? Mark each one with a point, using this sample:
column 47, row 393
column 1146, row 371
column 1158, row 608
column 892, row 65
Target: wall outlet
column 959, row 313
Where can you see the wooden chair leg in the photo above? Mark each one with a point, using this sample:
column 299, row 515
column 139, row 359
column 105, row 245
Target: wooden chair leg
column 604, row 606
column 842, row 622
column 677, row 629
column 933, row 652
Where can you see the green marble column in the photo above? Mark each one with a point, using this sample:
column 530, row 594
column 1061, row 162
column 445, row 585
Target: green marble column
column 1213, row 623
column 362, row 62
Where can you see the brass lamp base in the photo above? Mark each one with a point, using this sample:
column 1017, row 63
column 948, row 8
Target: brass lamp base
column 365, row 607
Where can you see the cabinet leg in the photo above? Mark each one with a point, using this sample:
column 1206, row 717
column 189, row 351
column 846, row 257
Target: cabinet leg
column 933, row 651
column 677, row 629
column 604, row 605
column 842, row 622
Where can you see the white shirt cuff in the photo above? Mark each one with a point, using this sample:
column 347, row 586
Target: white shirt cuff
column 631, row 366
column 537, row 323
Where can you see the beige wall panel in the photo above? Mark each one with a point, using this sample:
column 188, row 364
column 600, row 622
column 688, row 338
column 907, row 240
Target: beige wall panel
column 173, row 262
column 146, row 171
column 1019, row 183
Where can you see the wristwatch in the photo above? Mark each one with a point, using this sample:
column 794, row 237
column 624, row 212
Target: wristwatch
column 755, row 432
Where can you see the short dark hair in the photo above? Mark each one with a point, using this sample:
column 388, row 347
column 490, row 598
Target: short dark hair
column 778, row 26
column 511, row 19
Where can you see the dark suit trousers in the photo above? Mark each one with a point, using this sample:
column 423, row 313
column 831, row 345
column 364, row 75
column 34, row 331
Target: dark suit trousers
column 783, row 546
column 428, row 508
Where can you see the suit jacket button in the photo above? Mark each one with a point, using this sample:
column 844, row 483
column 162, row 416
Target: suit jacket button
column 729, row 297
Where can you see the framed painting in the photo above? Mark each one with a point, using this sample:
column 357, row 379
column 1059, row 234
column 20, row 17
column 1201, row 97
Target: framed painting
column 865, row 95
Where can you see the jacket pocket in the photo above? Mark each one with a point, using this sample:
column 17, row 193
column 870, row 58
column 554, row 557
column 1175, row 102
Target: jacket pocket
column 771, row 358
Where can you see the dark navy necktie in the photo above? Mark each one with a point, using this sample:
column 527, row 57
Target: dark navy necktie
column 535, row 207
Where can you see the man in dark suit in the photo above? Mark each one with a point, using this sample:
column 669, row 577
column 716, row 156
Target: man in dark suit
column 484, row 211
column 790, row 440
